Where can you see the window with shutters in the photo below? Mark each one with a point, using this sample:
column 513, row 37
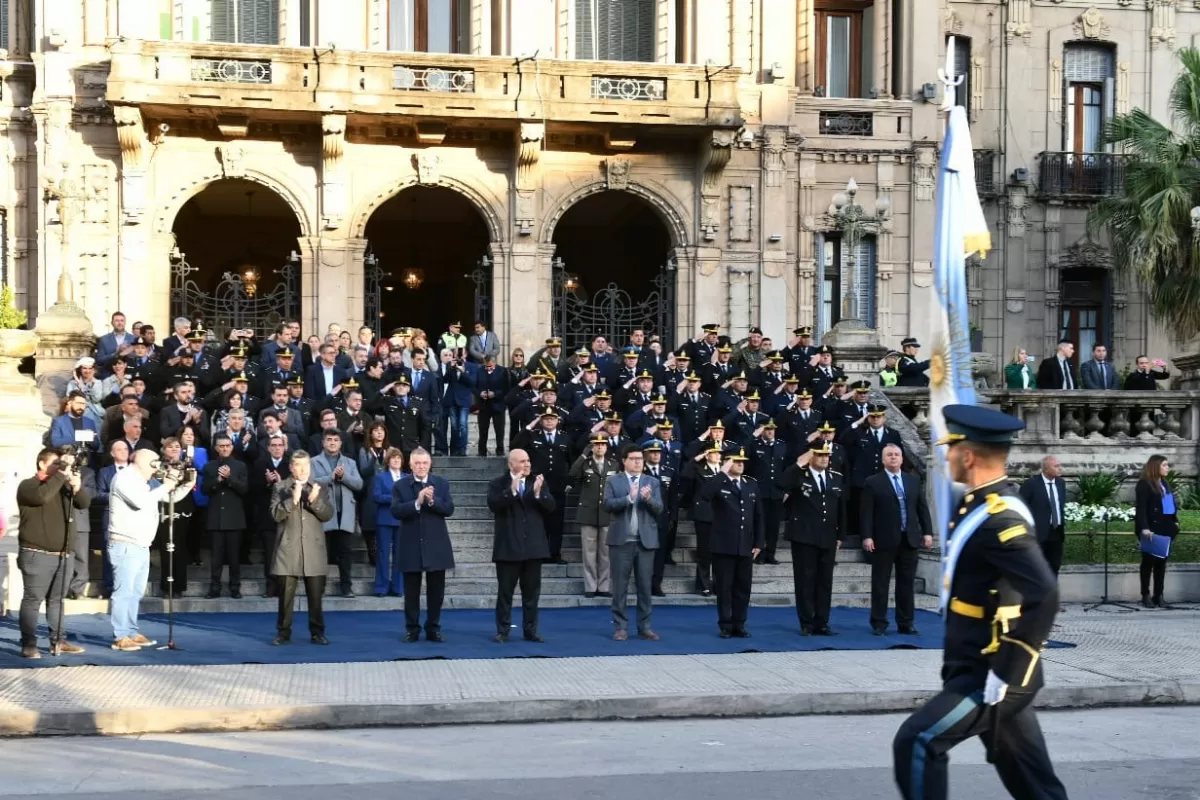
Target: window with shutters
column 244, row 21
column 841, row 28
column 838, row 273
column 1088, row 92
column 962, row 67
column 614, row 30
column 4, row 26
column 429, row 26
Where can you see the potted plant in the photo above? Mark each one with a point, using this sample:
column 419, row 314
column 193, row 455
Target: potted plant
column 15, row 342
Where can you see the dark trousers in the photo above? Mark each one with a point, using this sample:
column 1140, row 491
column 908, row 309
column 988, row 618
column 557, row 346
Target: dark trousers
column 625, row 559
column 1052, row 548
column 79, row 564
column 528, row 574
column 46, row 577
column 314, row 590
column 732, row 579
column 904, row 559
column 855, row 499
column 666, row 545
column 173, row 564
column 435, row 593
column 703, row 557
column 555, row 522
column 957, row 713
column 489, row 417
column 227, row 546
column 812, row 576
column 266, row 537
column 1156, row 567
column 772, row 519
column 337, row 547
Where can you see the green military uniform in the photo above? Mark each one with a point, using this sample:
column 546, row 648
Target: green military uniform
column 1001, row 598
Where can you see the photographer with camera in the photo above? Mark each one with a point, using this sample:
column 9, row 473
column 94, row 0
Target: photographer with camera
column 132, row 523
column 46, row 504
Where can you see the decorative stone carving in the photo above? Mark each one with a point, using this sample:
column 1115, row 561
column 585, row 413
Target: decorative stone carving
column 1162, row 23
column 774, row 147
column 333, row 189
column 1016, row 205
column 1054, row 90
column 429, row 167
column 1091, row 24
column 95, row 193
column 616, row 173
column 1019, row 20
column 924, row 171
column 951, row 23
column 232, row 156
column 131, row 135
column 978, row 81
column 715, row 151
column 529, row 151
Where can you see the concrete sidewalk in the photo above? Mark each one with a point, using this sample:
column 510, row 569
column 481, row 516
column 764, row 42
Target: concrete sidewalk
column 1148, row 657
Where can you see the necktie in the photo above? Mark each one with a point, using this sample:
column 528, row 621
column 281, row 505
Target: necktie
column 1053, row 492
column 821, row 482
column 416, row 379
column 879, row 435
column 1103, row 376
column 633, row 518
column 521, row 488
column 1066, row 375
column 903, row 506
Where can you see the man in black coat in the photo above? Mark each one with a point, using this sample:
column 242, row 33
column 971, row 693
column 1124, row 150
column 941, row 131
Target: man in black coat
column 422, row 503
column 406, row 417
column 491, row 387
column 768, row 461
column 816, row 527
column 894, row 524
column 519, row 504
column 1046, row 495
column 1056, row 371
column 226, row 482
column 1144, row 379
column 736, row 540
column 864, row 442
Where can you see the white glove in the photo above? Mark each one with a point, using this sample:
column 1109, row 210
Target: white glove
column 994, row 690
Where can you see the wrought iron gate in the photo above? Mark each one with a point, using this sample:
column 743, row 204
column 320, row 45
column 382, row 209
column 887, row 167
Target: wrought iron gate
column 482, row 278
column 611, row 311
column 235, row 302
column 377, row 282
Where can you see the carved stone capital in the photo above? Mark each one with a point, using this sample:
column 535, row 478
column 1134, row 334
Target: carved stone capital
column 715, row 152
column 131, row 135
column 529, row 152
column 616, row 173
column 333, row 139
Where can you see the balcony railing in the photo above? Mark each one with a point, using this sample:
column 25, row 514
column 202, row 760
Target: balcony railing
column 847, row 123
column 231, row 77
column 985, row 173
column 1081, row 175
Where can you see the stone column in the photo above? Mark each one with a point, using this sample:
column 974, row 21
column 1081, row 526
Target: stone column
column 776, row 231
column 528, row 294
column 331, row 282
column 64, row 334
column 21, row 415
column 333, row 185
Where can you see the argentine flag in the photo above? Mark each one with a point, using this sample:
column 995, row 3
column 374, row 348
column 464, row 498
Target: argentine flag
column 959, row 232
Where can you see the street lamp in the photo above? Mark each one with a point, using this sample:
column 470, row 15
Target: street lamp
column 854, row 223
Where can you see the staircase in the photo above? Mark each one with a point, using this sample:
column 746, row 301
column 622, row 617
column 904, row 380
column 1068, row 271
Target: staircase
column 472, row 584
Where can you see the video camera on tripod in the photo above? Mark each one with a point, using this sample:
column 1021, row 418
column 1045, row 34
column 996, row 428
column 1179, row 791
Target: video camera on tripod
column 181, row 471
column 67, row 461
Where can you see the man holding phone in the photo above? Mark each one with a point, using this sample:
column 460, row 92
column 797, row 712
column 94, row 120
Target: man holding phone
column 1145, row 379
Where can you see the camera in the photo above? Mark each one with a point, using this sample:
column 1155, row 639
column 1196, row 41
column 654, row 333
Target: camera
column 181, row 471
column 67, row 461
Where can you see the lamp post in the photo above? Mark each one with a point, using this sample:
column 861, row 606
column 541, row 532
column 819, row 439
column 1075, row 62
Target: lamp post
column 854, row 223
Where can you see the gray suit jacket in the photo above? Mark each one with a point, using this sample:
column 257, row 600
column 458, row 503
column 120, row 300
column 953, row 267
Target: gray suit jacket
column 479, row 349
column 342, row 494
column 621, row 510
column 1089, row 375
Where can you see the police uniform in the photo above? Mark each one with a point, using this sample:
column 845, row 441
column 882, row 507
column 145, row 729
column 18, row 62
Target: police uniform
column 737, row 531
column 1001, row 598
column 550, row 457
column 692, row 413
column 819, row 378
column 408, row 426
column 816, row 527
column 741, row 425
column 715, row 375
column 798, row 357
column 701, row 351
column 912, row 372
column 768, row 461
column 702, row 518
column 664, row 472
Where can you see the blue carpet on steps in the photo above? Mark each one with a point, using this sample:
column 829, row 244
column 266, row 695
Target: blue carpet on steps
column 244, row 638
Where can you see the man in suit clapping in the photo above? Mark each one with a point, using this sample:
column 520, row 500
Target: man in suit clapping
column 634, row 502
column 520, row 504
column 894, row 523
column 422, row 503
column 1046, row 495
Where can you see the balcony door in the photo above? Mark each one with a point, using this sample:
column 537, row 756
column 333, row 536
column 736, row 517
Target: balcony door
column 1087, row 96
column 429, row 26
column 614, row 30
column 841, row 30
column 244, row 21
column 1084, row 308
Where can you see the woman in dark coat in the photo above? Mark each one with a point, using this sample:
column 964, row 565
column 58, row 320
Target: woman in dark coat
column 1154, row 513
column 371, row 461
column 422, row 503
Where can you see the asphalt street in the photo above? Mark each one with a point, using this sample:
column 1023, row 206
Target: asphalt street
column 1106, row 754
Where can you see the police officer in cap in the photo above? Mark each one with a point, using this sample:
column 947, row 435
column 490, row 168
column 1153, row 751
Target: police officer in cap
column 1000, row 597
column 768, row 460
column 736, row 539
column 912, row 372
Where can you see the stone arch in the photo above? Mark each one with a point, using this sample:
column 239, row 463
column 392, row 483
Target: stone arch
column 487, row 208
column 169, row 209
column 671, row 215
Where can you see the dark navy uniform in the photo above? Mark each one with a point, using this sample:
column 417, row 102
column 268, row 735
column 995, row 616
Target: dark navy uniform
column 550, row 457
column 692, row 413
column 737, row 531
column 664, row 471
column 864, row 449
column 768, row 461
column 1001, row 602
column 912, row 372
column 816, row 527
column 702, row 518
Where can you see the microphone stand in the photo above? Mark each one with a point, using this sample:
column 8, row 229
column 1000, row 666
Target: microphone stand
column 170, row 645
column 1122, row 608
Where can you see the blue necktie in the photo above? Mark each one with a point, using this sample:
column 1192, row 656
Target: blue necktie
column 903, row 506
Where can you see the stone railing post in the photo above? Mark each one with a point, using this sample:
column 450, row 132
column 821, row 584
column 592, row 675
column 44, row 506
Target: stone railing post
column 64, row 334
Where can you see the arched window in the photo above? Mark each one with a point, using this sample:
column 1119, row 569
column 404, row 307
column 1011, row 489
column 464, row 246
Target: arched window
column 614, row 30
column 244, row 21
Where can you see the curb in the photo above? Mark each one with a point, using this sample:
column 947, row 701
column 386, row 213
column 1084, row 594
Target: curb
column 133, row 721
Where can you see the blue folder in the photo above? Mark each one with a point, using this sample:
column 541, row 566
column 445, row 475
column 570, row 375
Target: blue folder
column 1157, row 546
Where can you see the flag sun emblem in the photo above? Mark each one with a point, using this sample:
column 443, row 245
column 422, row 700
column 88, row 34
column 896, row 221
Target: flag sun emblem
column 938, row 363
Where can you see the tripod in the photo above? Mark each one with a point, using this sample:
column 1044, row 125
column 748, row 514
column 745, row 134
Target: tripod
column 1104, row 601
column 170, row 645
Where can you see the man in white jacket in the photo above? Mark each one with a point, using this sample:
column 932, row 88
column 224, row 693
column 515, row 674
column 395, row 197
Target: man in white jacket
column 132, row 522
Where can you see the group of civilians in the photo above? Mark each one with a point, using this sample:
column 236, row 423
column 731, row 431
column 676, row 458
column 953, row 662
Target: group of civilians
column 1059, row 372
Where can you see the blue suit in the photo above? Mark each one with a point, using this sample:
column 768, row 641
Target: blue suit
column 62, row 433
column 107, row 352
column 388, row 579
column 456, row 399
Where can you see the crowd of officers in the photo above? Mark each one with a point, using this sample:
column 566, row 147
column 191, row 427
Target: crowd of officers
column 776, row 408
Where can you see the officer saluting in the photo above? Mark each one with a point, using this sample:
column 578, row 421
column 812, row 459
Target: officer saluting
column 736, row 539
column 1000, row 598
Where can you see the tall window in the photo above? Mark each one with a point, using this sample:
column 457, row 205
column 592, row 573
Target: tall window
column 842, row 26
column 1088, row 75
column 4, row 26
column 962, row 67
column 429, row 26
column 837, row 271
column 1084, row 307
column 614, row 30
column 245, row 21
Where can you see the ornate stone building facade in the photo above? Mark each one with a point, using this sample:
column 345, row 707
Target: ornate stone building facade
column 546, row 165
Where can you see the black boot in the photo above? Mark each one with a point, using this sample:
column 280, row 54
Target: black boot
column 214, row 591
column 1146, row 600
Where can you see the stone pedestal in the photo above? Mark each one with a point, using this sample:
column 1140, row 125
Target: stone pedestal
column 1189, row 368
column 21, row 416
column 64, row 333
column 856, row 349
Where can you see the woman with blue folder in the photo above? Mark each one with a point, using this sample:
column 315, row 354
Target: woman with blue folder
column 1155, row 521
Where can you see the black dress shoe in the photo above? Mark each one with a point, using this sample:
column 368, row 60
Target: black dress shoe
column 706, row 592
column 726, row 634
column 880, row 631
column 669, row 560
column 559, row 560
column 281, row 639
column 825, row 631
column 319, row 639
column 72, row 595
column 604, row 594
column 806, row 631
column 658, row 593
column 770, row 560
column 409, row 638
column 741, row 634
column 500, row 638
column 534, row 637
column 909, row 630
column 347, row 593
column 236, row 594
column 213, row 593
column 435, row 637
column 589, row 595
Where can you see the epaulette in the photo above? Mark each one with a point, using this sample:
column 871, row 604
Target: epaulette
column 996, row 504
column 835, row 472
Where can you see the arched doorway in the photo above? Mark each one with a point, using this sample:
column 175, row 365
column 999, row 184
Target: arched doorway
column 613, row 271
column 234, row 264
column 426, row 263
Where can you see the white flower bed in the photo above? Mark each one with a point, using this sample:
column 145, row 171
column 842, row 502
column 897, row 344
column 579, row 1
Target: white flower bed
column 1077, row 512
